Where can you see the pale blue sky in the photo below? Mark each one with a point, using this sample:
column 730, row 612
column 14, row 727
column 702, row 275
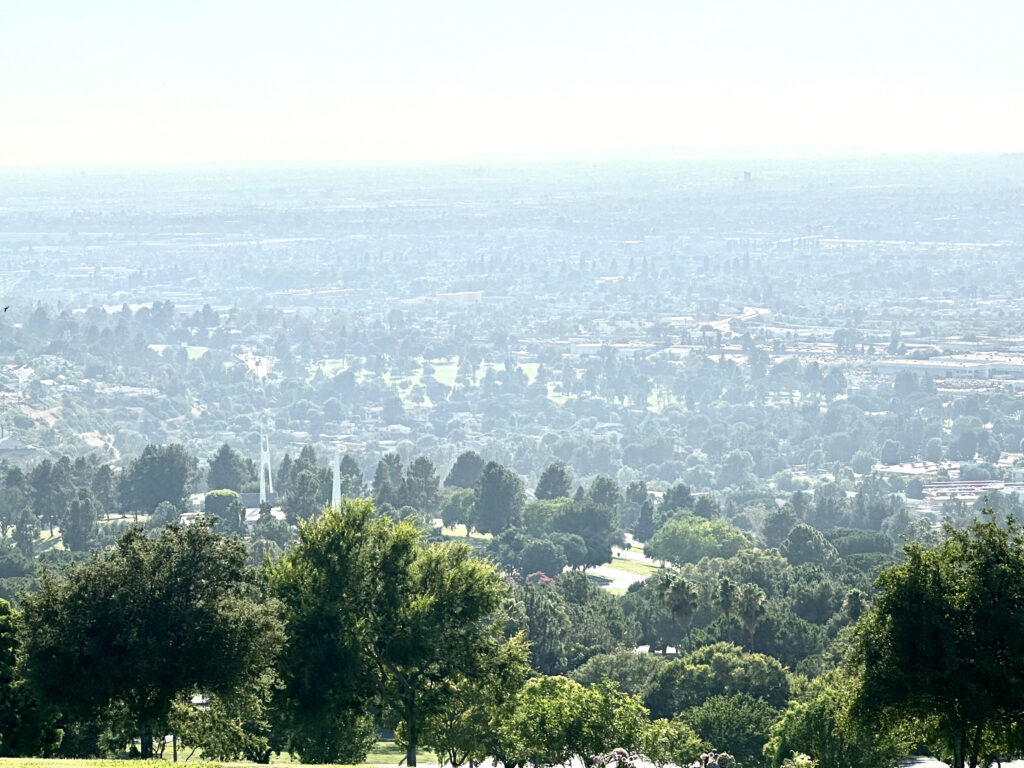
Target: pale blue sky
column 307, row 81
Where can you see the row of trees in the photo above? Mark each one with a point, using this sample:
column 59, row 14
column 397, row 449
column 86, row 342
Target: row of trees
column 362, row 623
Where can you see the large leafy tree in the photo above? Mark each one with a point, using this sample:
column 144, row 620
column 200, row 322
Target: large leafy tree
column 13, row 500
column 26, row 726
column 51, row 491
column 465, row 472
column 944, row 640
column 160, row 473
column 228, row 469
column 738, row 723
column 720, row 669
column 688, row 538
column 138, row 626
column 351, row 476
column 818, row 724
column 373, row 613
column 556, row 720
column 226, row 506
column 461, row 723
column 555, row 482
column 596, row 524
column 323, row 583
column 438, row 627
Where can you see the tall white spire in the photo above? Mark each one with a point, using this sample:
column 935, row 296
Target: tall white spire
column 336, row 485
column 266, row 479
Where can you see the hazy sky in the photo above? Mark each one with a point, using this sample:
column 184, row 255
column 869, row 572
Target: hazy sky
column 148, row 81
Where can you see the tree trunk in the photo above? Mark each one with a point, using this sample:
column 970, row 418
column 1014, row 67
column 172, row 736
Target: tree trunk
column 976, row 746
column 410, row 734
column 145, row 743
column 959, row 739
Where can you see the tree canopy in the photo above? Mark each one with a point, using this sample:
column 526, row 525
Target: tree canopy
column 135, row 627
column 944, row 639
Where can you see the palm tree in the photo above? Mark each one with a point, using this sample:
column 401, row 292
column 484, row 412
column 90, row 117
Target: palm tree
column 751, row 608
column 727, row 599
column 680, row 597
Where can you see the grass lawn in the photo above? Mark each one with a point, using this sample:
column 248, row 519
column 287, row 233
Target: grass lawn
column 38, row 762
column 382, row 753
column 639, row 567
column 459, row 532
column 445, row 371
column 386, row 753
column 194, row 353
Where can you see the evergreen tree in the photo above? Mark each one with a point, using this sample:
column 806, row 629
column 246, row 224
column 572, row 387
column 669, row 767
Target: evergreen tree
column 555, row 482
column 499, row 499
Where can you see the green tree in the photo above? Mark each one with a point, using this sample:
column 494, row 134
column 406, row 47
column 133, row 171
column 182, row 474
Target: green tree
column 818, row 723
column 228, row 469
column 777, row 524
column 420, row 487
column 644, row 527
column 556, row 720
column 605, row 492
column 596, row 524
column 458, row 507
column 27, row 728
column 78, row 526
column 465, row 472
column 160, row 473
column 163, row 617
column 944, row 639
column 164, row 514
column 13, row 500
column 51, row 491
column 688, row 538
column 739, row 723
column 547, row 626
column 644, row 602
column 323, row 582
column 373, row 613
column 892, row 452
column 634, row 673
column 680, row 598
column 720, row 669
column 226, row 506
column 751, row 608
column 351, row 476
column 104, row 489
column 387, row 481
column 805, row 544
column 555, row 482
column 543, row 556
column 677, row 497
column 499, row 499
column 305, row 496
column 438, row 629
column 672, row 742
column 462, row 727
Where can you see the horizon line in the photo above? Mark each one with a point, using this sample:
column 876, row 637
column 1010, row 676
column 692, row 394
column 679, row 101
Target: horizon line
column 597, row 157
